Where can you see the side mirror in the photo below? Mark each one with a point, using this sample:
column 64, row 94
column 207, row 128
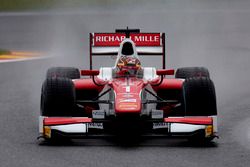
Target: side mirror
column 89, row 72
column 165, row 72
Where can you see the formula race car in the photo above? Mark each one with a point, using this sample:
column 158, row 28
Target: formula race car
column 128, row 99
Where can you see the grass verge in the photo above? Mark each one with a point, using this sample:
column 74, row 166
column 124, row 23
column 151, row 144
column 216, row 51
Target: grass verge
column 4, row 52
column 22, row 5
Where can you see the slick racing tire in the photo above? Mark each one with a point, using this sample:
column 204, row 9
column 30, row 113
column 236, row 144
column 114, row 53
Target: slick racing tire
column 199, row 97
column 188, row 72
column 63, row 72
column 58, row 97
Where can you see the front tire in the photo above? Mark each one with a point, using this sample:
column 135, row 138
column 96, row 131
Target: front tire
column 199, row 97
column 58, row 97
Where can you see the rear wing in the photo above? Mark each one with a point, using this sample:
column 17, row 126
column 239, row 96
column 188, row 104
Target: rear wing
column 107, row 44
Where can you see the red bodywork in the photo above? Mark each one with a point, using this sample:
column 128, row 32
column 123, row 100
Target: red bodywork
column 65, row 121
column 174, row 84
column 191, row 120
column 127, row 90
column 87, row 84
column 128, row 95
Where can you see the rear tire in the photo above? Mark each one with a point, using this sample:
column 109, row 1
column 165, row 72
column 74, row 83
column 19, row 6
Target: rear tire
column 188, row 72
column 63, row 72
column 199, row 97
column 58, row 97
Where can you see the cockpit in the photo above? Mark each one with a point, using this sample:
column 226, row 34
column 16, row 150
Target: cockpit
column 127, row 64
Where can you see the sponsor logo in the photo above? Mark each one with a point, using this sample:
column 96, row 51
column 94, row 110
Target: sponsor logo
column 128, row 106
column 127, row 100
column 105, row 38
column 95, row 125
column 127, row 95
column 127, row 89
column 157, row 114
column 98, row 114
column 114, row 39
column 160, row 125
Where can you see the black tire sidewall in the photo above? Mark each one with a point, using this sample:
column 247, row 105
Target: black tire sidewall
column 199, row 97
column 58, row 97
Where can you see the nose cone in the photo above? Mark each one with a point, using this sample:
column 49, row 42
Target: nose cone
column 128, row 98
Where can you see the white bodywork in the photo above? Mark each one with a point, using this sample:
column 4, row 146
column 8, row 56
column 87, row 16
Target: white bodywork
column 145, row 50
column 149, row 73
column 105, row 73
column 71, row 128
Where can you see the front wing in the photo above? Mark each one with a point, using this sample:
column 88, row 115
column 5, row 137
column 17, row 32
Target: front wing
column 82, row 127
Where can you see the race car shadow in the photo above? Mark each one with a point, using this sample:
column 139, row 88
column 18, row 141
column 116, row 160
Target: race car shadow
column 128, row 143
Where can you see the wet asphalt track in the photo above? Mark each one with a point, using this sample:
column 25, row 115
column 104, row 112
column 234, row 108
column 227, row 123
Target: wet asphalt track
column 210, row 33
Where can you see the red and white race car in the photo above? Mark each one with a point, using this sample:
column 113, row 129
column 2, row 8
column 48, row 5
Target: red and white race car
column 128, row 98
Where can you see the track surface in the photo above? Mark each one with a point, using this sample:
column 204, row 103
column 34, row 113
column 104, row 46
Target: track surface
column 210, row 33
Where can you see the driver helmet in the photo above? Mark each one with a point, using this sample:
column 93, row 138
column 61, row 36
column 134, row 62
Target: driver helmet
column 129, row 63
